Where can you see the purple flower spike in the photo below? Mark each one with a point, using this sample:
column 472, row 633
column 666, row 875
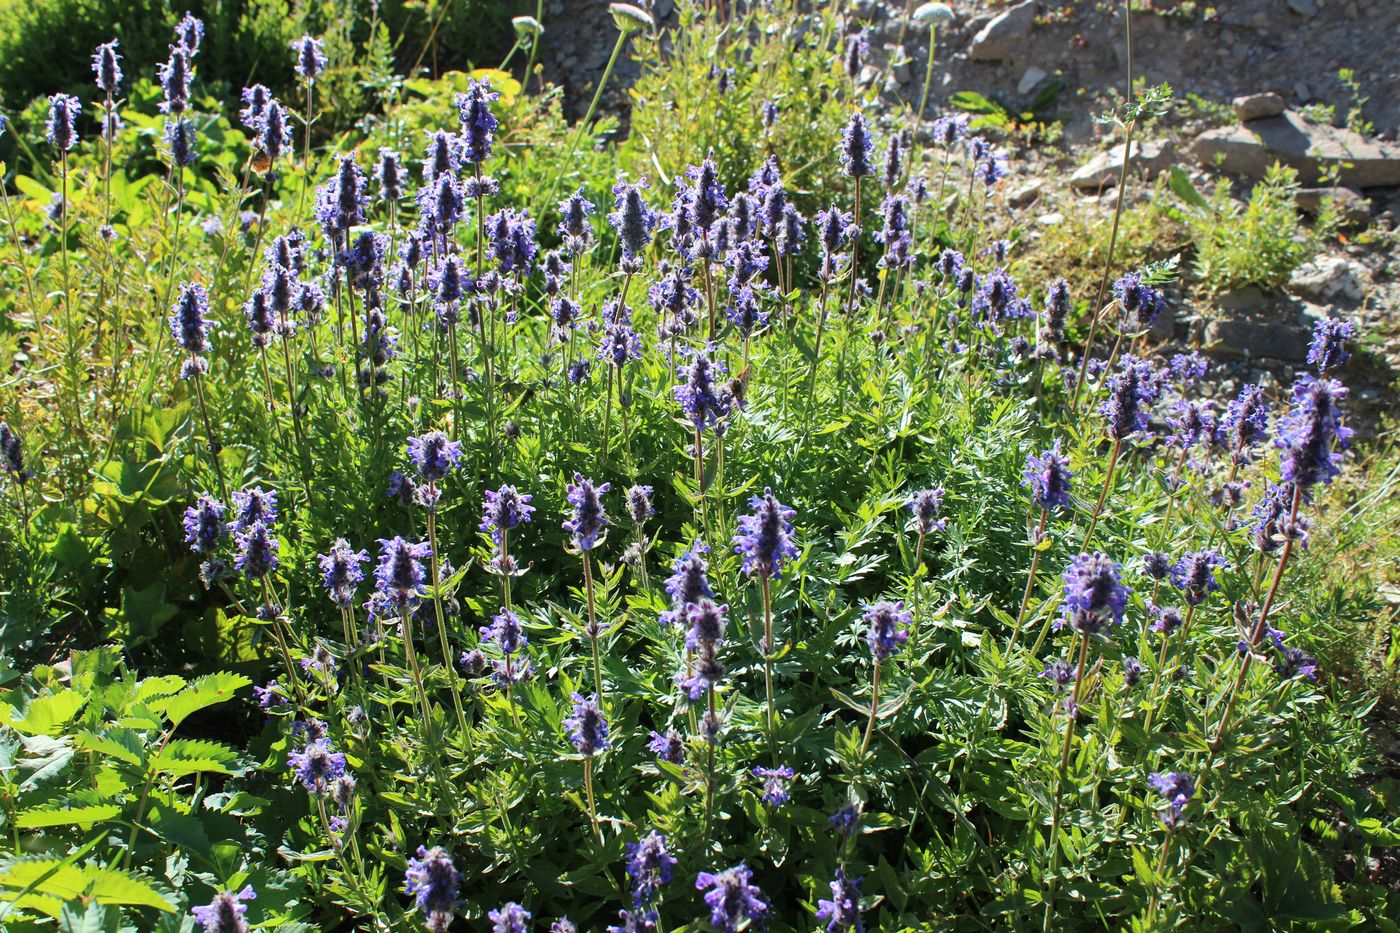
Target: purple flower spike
column 1048, row 477
column 432, row 881
column 889, row 624
column 1095, row 597
column 434, row 455
column 775, row 785
column 842, row 912
column 649, row 865
column 589, row 519
column 1177, row 788
column 224, row 914
column 1329, row 344
column 504, row 509
column 588, row 730
column 764, row 539
column 732, row 897
column 1194, row 575
column 1311, row 436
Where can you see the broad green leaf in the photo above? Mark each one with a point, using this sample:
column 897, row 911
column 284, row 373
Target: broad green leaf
column 204, row 692
column 47, row 715
column 54, row 878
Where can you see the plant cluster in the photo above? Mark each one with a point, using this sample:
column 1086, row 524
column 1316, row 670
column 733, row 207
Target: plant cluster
column 681, row 555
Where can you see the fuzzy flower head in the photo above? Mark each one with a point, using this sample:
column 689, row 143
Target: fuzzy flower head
column 434, row 455
column 649, row 865
column 699, row 393
column 341, row 572
column 1194, row 575
column 504, row 509
column 225, row 913
column 1177, row 788
column 309, row 58
column 857, row 148
column 669, row 747
column 1048, row 477
column 254, row 505
column 925, row 506
column 588, row 730
column 511, row 918
column 733, row 899
column 399, row 574
column 633, row 219
column 1140, row 301
column 1095, row 597
column 317, row 766
column 1246, row 423
column 257, row 551
column 432, row 881
column 1311, row 436
column 639, row 507
column 688, row 582
column 204, row 524
column 764, row 538
column 842, row 911
column 775, row 784
column 857, row 51
column 107, row 67
column 1131, row 392
column 189, row 33
column 888, row 627
column 478, row 122
column 175, row 77
column 574, row 227
column 588, row 519
column 1192, row 422
column 1329, row 344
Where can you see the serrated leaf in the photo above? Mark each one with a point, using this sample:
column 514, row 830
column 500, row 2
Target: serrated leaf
column 207, row 691
column 82, row 817
column 122, row 744
column 54, row 878
column 48, row 714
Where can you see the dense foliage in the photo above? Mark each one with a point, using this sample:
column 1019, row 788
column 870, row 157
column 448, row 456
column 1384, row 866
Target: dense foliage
column 466, row 524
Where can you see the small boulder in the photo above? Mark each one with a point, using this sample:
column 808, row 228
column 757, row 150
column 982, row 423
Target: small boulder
column 1303, row 7
column 1307, row 147
column 1257, row 106
column 1030, row 80
column 1355, row 208
column 1329, row 278
column 1001, row 37
column 1257, row 336
column 1102, row 170
column 1026, row 194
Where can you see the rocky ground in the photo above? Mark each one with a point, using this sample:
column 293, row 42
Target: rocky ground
column 1250, row 77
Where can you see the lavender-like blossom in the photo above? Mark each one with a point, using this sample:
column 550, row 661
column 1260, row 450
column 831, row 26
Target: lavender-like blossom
column 189, row 33
column 1131, row 392
column 842, row 911
column 254, row 505
column 619, row 344
column 1057, row 308
column 1274, row 520
column 107, row 68
column 1165, row 619
column 846, row 820
column 775, row 785
column 574, row 227
column 639, row 507
column 688, row 582
column 857, row 50
column 180, row 142
column 1188, row 367
column 255, row 100
column 504, row 509
column 703, row 638
column 1246, row 423
column 947, row 131
column 649, row 865
column 1311, row 436
column 1132, row 672
column 175, row 77
column 588, row 519
column 434, row 455
column 432, row 881
column 275, row 134
column 1194, row 575
column 588, row 730
column 61, row 126
column 341, row 572
column 1177, row 788
column 669, row 747
column 1329, row 344
column 203, row 521
column 399, row 574
column 1095, row 597
column 633, row 220
column 1157, row 565
column 764, row 539
column 477, row 121
column 1139, row 300
column 511, row 918
column 732, row 897
column 257, row 551
column 309, row 59
column 1192, row 422
column 857, row 148
column 768, row 111
column 889, row 627
column 1048, row 477
column 226, row 912
column 317, row 766
column 925, row 505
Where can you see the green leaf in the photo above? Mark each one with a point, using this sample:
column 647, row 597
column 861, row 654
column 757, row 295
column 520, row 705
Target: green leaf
column 204, row 692
column 191, row 756
column 82, row 817
column 55, row 879
column 47, row 715
column 1181, row 186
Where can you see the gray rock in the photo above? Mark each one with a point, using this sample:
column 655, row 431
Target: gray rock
column 1292, row 140
column 1257, row 106
column 1102, row 170
column 1241, row 299
column 1303, row 7
column 1030, row 79
column 899, row 68
column 1257, row 336
column 1329, row 278
column 1353, row 206
column 1026, row 194
column 1000, row 37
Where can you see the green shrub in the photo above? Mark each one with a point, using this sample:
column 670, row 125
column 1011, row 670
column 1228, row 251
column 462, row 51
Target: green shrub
column 1258, row 244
